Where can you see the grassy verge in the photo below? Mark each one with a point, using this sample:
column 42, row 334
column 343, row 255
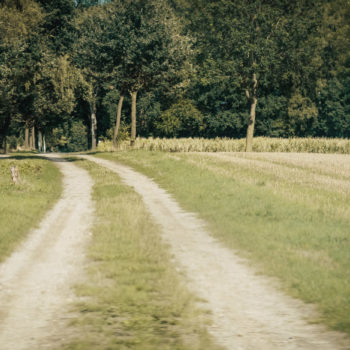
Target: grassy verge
column 293, row 225
column 133, row 297
column 22, row 206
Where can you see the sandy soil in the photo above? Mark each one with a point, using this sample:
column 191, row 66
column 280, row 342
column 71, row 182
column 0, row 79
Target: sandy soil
column 248, row 311
column 36, row 281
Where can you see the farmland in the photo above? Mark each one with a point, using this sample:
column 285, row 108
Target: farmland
column 287, row 213
column 261, row 144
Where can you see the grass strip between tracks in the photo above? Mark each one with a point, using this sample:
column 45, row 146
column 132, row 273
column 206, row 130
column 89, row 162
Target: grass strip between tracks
column 289, row 226
column 133, row 297
column 22, row 206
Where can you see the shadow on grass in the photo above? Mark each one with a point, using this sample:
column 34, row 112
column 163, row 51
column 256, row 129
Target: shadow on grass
column 20, row 157
column 54, row 157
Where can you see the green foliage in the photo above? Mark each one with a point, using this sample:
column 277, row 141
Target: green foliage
column 150, row 47
column 18, row 22
column 273, row 119
column 54, row 95
column 301, row 110
column 124, row 132
column 70, row 137
column 78, row 140
column 58, row 25
column 334, row 116
column 182, row 119
column 59, row 59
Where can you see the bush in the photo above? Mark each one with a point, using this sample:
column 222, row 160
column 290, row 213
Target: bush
column 182, row 119
column 78, row 140
column 71, row 137
column 12, row 142
column 123, row 134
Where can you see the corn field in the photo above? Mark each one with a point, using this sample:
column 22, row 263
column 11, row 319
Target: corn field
column 261, row 144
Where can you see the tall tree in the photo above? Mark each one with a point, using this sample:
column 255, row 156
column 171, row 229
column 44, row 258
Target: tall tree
column 260, row 41
column 18, row 21
column 150, row 48
column 55, row 92
column 92, row 56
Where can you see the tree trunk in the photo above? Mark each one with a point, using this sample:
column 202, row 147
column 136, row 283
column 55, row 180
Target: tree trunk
column 3, row 134
column 251, row 122
column 26, row 136
column 40, row 141
column 117, row 124
column 32, row 142
column 93, row 126
column 15, row 174
column 44, row 143
column 30, row 139
column 4, row 142
column 133, row 118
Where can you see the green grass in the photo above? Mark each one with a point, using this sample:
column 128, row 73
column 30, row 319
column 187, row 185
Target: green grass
column 22, row 206
column 289, row 225
column 132, row 298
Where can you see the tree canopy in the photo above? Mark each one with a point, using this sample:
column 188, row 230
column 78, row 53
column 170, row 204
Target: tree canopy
column 196, row 68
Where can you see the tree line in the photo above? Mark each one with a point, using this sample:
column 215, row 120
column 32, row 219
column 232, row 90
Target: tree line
column 76, row 71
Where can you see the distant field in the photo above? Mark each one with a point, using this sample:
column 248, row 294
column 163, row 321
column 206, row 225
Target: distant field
column 22, row 206
column 289, row 214
column 260, row 144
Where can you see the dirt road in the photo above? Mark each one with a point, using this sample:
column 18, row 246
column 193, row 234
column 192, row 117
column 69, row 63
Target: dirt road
column 36, row 281
column 248, row 312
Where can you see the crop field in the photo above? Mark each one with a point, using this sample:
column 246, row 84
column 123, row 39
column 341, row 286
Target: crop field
column 287, row 213
column 260, row 144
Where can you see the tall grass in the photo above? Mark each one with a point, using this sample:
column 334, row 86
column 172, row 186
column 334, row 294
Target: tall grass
column 292, row 223
column 260, row 144
column 22, row 206
column 132, row 298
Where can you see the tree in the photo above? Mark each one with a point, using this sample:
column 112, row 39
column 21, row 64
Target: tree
column 55, row 92
column 150, row 49
column 92, row 56
column 259, row 43
column 58, row 27
column 332, row 97
column 18, row 21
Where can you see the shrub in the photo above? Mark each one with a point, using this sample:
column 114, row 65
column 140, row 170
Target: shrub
column 71, row 137
column 78, row 137
column 182, row 119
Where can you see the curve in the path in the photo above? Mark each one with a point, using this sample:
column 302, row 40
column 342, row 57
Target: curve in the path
column 247, row 311
column 36, row 281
